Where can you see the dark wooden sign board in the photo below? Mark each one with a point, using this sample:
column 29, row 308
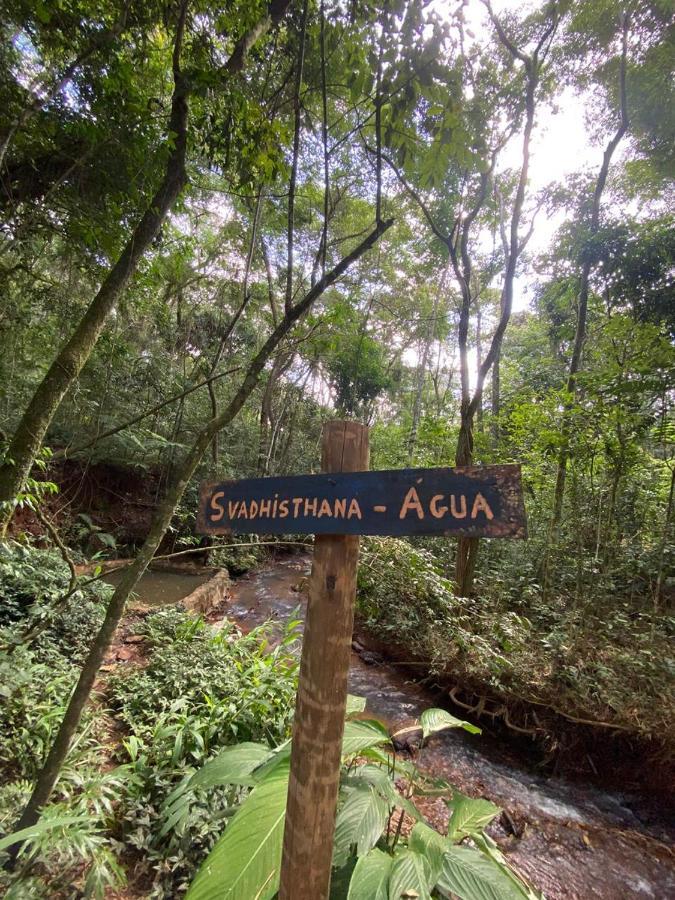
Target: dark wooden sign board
column 343, row 502
column 478, row 501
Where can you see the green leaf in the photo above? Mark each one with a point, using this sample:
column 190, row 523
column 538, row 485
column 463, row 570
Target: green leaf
column 280, row 755
column 383, row 782
column 27, row 834
column 487, row 846
column 470, row 875
column 370, row 879
column 411, row 877
column 245, row 861
column 234, row 765
column 360, row 821
column 361, row 734
column 433, row 720
column 469, row 816
column 355, row 704
column 430, row 844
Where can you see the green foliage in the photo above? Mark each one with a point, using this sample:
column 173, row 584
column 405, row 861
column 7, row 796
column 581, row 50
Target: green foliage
column 607, row 663
column 35, row 683
column 85, row 97
column 245, row 862
column 202, row 690
column 33, row 583
column 194, row 670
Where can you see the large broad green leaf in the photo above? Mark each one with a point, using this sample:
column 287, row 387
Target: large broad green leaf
column 245, row 862
column 360, row 735
column 469, row 816
column 411, row 877
column 370, row 879
column 433, row 720
column 430, row 844
column 27, row 834
column 487, row 846
column 360, row 821
column 234, row 765
column 279, row 756
column 381, row 779
column 470, row 875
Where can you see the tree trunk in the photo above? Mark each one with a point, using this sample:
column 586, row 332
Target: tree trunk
column 582, row 311
column 479, row 359
column 417, row 405
column 66, row 367
column 68, row 364
column 495, row 400
column 50, row 771
column 467, row 547
column 658, row 590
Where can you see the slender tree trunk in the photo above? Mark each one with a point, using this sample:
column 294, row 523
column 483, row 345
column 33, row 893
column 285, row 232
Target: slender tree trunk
column 467, row 547
column 68, row 364
column 214, row 412
column 610, row 531
column 50, row 771
column 280, row 365
column 479, row 359
column 658, row 590
column 582, row 313
column 66, row 367
column 422, row 370
column 297, row 113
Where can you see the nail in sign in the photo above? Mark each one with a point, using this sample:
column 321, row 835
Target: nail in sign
column 479, row 501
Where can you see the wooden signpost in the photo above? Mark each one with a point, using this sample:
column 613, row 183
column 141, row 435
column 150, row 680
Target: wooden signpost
column 338, row 505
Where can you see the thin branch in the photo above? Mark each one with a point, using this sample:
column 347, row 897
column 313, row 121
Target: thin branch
column 63, row 550
column 504, row 38
column 324, row 141
column 66, row 452
column 533, row 70
column 276, row 10
column 444, row 238
column 246, row 296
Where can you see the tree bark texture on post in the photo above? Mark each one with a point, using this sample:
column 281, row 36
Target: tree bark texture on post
column 322, row 690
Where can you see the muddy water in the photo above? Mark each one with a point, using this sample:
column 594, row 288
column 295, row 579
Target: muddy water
column 161, row 588
column 568, row 839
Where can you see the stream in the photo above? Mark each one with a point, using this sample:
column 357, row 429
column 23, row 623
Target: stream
column 575, row 840
column 569, row 839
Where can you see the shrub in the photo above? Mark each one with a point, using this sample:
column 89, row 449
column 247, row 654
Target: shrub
column 202, row 690
column 608, row 664
column 32, row 582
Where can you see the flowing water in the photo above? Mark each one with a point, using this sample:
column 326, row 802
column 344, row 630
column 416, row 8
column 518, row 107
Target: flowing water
column 569, row 839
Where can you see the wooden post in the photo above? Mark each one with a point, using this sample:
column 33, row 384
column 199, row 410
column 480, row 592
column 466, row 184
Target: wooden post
column 322, row 690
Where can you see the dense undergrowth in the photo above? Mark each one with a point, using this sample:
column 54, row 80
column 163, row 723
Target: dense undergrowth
column 184, row 755
column 601, row 662
column 150, row 727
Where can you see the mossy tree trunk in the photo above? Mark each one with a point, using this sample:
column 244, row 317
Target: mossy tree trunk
column 161, row 521
column 30, row 432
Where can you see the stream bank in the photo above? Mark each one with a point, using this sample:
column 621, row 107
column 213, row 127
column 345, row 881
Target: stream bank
column 570, row 839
